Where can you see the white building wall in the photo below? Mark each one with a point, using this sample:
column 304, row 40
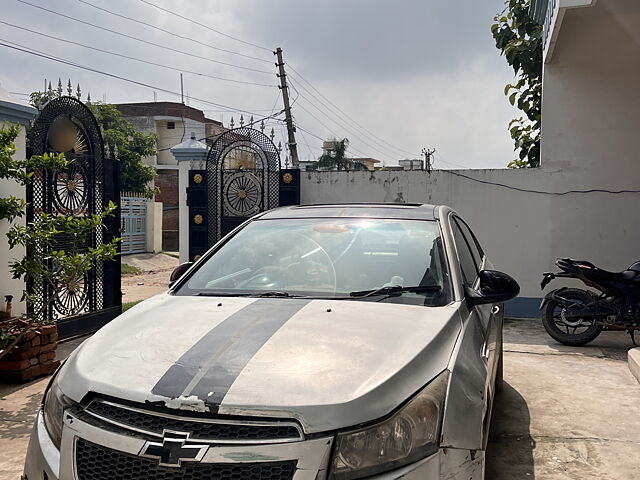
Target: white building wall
column 590, row 119
column 522, row 233
column 9, row 286
column 590, row 127
column 170, row 138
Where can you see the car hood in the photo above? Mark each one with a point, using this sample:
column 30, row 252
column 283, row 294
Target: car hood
column 329, row 364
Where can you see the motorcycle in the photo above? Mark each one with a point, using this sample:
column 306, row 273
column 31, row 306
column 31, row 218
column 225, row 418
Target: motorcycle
column 573, row 316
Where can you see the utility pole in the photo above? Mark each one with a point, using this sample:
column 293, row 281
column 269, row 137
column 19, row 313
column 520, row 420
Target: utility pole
column 291, row 130
column 428, row 154
column 181, row 90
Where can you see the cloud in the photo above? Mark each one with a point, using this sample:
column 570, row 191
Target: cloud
column 417, row 73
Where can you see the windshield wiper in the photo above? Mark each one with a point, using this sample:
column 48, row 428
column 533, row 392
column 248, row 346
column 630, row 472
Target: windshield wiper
column 273, row 294
column 247, row 294
column 395, row 289
column 223, row 294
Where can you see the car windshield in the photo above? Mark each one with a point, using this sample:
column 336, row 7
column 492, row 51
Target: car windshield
column 329, row 257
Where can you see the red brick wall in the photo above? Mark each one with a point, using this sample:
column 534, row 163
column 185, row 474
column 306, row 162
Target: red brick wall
column 167, row 182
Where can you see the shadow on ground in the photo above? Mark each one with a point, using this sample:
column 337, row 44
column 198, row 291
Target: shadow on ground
column 18, row 422
column 528, row 336
column 510, row 449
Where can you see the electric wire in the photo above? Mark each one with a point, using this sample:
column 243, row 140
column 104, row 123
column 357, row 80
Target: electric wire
column 541, row 192
column 170, row 32
column 306, row 143
column 330, row 130
column 339, row 123
column 273, row 109
column 31, row 51
column 300, row 127
column 165, row 47
column 247, row 125
column 374, row 138
column 205, row 26
column 373, row 135
column 389, row 153
column 447, row 162
column 215, row 77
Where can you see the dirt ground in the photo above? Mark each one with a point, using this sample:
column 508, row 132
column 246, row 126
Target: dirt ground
column 564, row 413
column 156, row 270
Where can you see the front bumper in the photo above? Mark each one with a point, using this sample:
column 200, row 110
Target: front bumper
column 312, row 455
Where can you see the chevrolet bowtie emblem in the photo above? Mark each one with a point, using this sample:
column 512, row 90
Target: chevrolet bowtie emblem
column 173, row 450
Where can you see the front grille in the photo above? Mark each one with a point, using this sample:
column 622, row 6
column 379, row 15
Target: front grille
column 197, row 427
column 94, row 462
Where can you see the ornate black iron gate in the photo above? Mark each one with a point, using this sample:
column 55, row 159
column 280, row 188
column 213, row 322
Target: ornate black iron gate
column 242, row 179
column 66, row 125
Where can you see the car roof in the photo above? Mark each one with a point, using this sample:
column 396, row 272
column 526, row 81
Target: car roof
column 409, row 211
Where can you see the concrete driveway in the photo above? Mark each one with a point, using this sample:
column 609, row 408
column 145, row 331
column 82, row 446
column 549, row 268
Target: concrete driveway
column 564, row 413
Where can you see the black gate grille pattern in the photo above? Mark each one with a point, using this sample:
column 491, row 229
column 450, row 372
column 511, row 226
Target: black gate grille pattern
column 95, row 462
column 90, row 181
column 242, row 179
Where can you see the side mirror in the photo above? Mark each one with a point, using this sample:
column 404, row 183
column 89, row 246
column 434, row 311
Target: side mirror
column 495, row 287
column 178, row 272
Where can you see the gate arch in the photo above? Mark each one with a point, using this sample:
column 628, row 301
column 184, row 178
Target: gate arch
column 242, row 169
column 84, row 187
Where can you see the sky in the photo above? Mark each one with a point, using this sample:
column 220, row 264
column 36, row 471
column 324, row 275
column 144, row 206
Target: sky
column 392, row 77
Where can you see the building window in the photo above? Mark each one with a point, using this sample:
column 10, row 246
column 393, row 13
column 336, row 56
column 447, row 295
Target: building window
column 171, row 125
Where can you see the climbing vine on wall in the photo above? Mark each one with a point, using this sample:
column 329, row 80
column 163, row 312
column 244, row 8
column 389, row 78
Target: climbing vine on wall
column 519, row 38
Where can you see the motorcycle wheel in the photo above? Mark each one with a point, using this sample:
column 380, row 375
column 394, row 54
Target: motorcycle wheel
column 572, row 333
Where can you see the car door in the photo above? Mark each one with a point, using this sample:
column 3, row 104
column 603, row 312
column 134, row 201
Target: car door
column 472, row 261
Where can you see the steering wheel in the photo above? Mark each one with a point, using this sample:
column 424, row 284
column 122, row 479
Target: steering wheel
column 327, row 259
column 267, row 277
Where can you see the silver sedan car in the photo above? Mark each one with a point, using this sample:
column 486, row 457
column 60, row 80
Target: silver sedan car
column 313, row 342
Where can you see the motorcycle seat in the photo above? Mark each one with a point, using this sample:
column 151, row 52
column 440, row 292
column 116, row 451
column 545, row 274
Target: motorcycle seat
column 626, row 275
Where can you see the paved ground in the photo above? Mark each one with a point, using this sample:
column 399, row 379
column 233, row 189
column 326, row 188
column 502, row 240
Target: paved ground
column 18, row 406
column 156, row 270
column 564, row 413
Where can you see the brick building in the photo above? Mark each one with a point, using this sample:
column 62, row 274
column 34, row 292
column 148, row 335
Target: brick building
column 173, row 123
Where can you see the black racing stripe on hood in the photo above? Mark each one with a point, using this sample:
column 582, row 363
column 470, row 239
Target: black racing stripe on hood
column 209, row 368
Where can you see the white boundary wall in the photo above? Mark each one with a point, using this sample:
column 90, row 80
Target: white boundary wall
column 13, row 111
column 9, row 286
column 522, row 233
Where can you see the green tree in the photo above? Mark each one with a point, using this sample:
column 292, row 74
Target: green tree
column 132, row 146
column 46, row 264
column 335, row 158
column 519, row 38
column 121, row 135
column 20, row 171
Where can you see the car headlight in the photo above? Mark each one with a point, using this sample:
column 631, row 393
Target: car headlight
column 54, row 405
column 409, row 435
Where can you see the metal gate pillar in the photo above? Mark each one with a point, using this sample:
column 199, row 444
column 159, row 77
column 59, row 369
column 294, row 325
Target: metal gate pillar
column 289, row 187
column 84, row 187
column 190, row 155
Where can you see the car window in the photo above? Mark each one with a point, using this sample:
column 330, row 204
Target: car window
column 468, row 263
column 327, row 257
column 474, row 245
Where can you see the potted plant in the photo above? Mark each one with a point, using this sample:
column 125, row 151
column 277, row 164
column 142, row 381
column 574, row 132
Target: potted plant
column 28, row 342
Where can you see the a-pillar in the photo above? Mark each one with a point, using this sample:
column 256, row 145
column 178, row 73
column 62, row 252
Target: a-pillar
column 190, row 155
